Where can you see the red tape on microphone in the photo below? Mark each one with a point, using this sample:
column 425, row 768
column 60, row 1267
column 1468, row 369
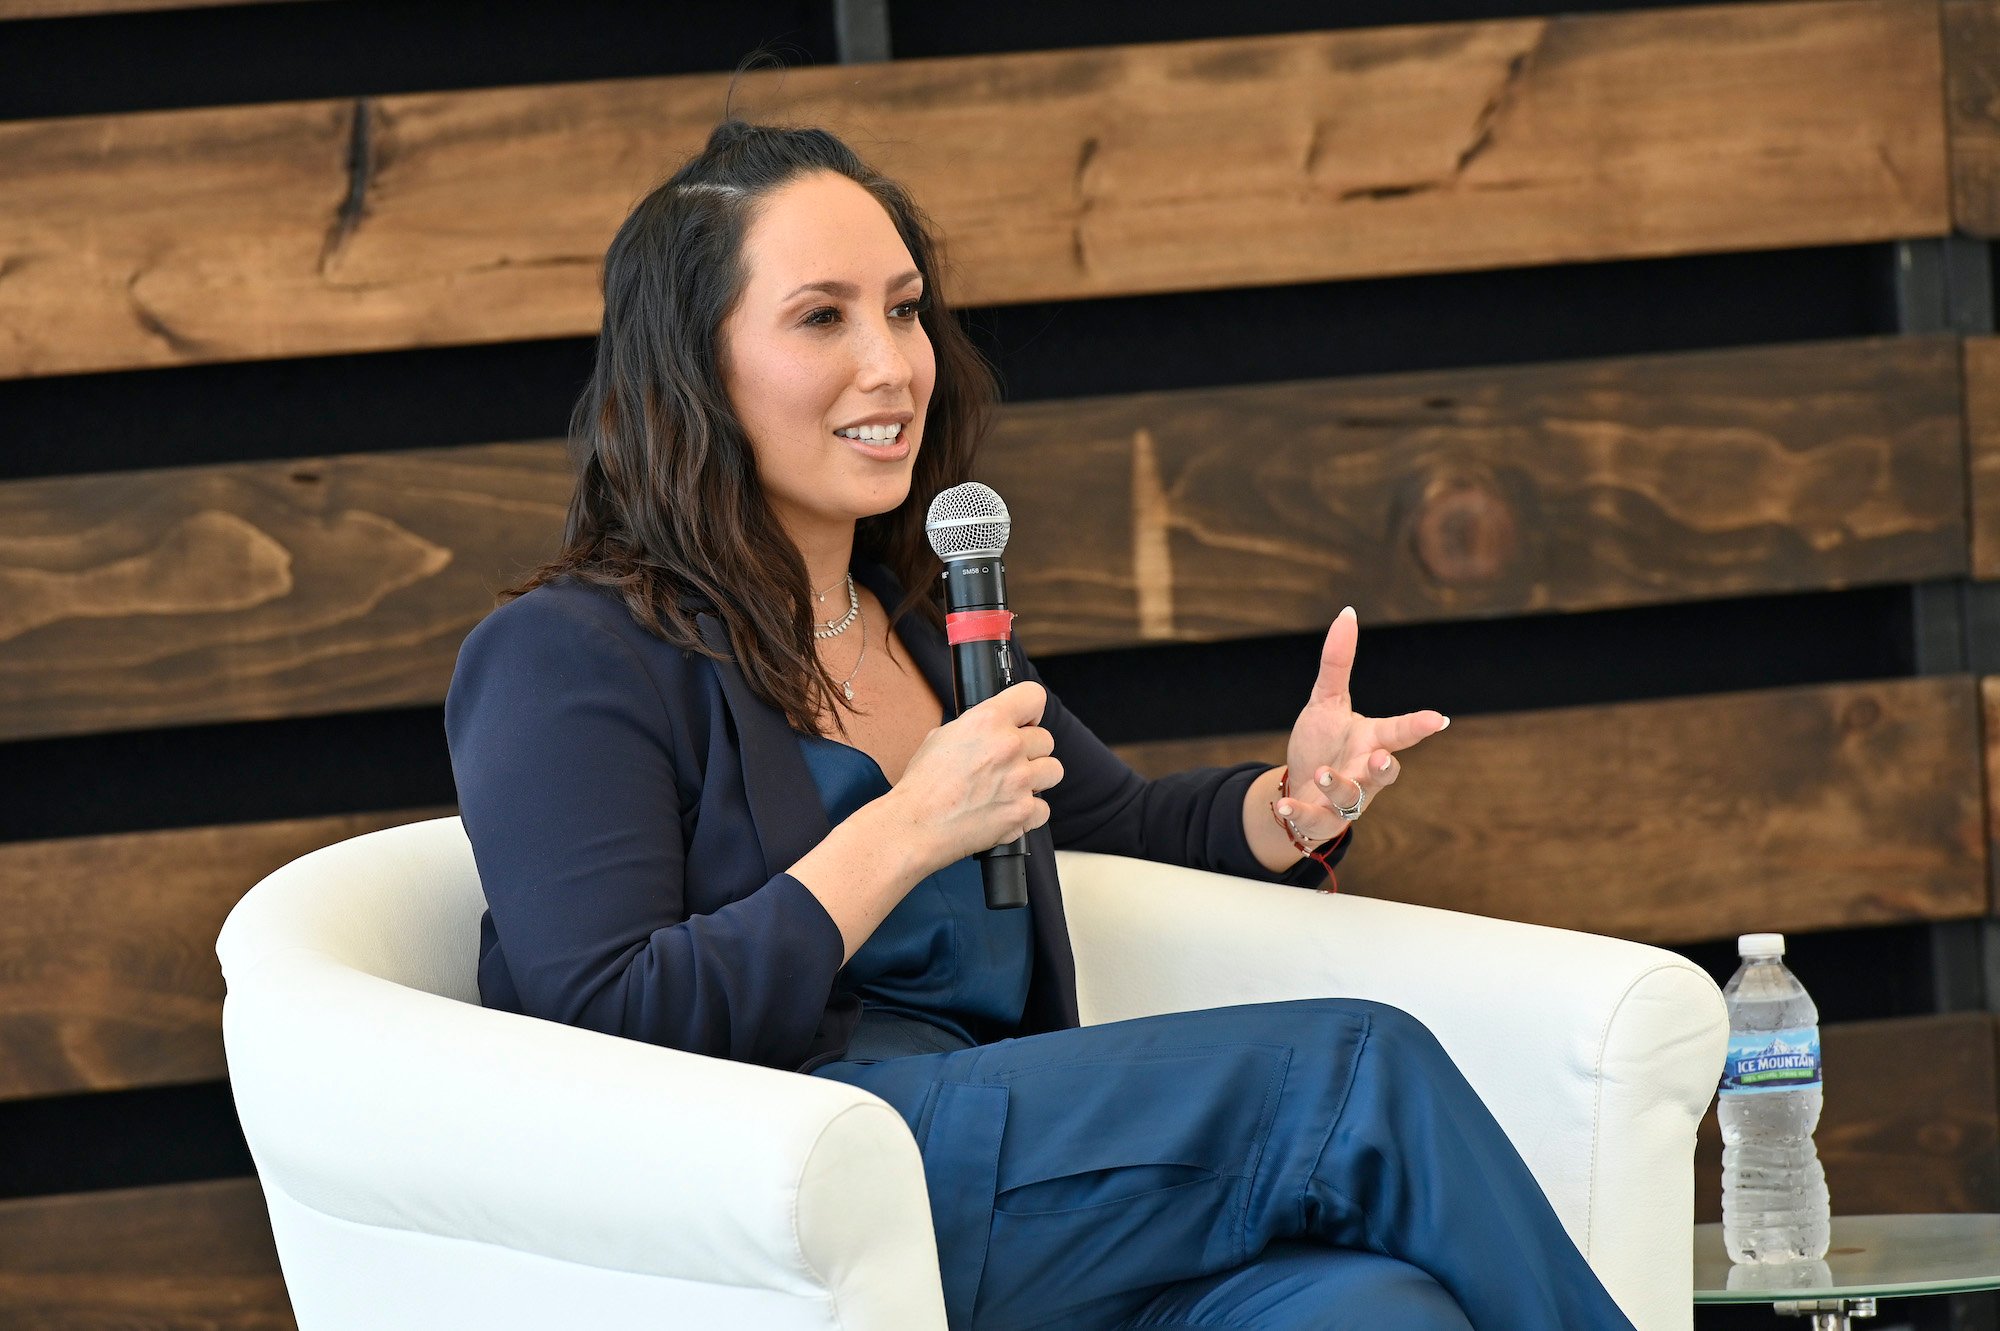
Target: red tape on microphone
column 979, row 626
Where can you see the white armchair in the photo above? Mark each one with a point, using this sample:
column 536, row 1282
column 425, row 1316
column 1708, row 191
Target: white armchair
column 432, row 1164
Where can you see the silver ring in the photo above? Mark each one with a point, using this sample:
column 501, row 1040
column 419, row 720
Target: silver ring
column 1360, row 798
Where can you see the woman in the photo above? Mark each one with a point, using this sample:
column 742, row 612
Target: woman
column 704, row 764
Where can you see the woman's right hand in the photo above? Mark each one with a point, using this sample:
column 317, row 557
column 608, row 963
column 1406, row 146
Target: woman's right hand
column 974, row 783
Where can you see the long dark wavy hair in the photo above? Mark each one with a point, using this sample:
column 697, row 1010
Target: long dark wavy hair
column 667, row 507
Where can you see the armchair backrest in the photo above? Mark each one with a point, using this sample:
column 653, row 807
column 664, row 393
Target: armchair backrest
column 401, row 904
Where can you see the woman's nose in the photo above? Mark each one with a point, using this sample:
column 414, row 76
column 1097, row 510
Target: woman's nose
column 882, row 360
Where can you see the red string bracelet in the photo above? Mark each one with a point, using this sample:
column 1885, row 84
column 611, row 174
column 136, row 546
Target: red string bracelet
column 1298, row 843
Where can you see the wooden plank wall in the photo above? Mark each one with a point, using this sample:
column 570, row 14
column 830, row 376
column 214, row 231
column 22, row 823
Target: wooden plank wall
column 183, row 1256
column 347, row 583
column 316, row 227
column 275, row 588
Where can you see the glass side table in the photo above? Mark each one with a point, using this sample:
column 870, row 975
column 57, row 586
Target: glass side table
column 1871, row 1257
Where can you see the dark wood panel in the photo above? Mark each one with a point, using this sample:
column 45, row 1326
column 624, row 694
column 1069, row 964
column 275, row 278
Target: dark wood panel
column 1795, row 810
column 76, row 8
column 108, row 976
column 1972, row 81
column 1909, row 1126
column 1989, row 709
column 274, row 589
column 1234, row 512
column 242, row 232
column 1982, row 440
column 188, row 1257
column 1824, row 807
column 1909, row 1123
column 200, row 1255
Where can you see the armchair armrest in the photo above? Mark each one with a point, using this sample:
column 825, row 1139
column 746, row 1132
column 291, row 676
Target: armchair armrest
column 1598, row 1056
column 387, row 1106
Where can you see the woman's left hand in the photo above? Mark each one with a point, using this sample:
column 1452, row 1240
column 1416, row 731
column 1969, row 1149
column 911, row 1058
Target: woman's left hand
column 1334, row 750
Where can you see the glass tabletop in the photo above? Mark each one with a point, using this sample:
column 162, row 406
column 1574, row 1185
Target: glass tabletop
column 1871, row 1256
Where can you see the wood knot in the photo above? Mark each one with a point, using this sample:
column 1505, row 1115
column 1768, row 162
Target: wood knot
column 1940, row 1139
column 1860, row 714
column 1465, row 530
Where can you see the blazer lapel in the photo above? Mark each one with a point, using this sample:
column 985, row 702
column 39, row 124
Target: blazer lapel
column 784, row 804
column 790, row 820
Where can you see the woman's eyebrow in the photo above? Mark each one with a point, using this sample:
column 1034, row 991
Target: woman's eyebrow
column 849, row 290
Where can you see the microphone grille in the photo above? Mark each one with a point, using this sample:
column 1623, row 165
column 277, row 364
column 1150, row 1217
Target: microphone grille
column 967, row 520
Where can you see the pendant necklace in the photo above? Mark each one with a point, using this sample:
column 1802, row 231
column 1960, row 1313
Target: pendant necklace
column 821, row 596
column 835, row 628
column 847, row 685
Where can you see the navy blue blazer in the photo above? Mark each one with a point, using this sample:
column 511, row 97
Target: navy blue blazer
column 633, row 809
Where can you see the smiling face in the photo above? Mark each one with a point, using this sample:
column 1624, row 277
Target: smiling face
column 800, row 364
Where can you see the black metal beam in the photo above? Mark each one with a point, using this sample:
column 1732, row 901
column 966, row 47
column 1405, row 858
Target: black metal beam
column 1946, row 285
column 861, row 30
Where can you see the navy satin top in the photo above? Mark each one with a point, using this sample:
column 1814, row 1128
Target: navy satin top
column 941, row 971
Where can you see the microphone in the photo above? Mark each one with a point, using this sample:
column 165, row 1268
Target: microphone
column 968, row 527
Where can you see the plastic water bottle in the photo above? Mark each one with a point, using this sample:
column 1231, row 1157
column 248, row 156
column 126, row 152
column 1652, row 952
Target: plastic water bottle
column 1774, row 1200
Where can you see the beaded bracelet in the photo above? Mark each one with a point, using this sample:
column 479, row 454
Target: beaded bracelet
column 1325, row 848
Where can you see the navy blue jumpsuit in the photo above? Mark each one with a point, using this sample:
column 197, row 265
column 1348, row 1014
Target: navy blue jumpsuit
column 1312, row 1164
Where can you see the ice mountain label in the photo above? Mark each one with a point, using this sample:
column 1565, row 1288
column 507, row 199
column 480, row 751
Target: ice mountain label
column 1772, row 1060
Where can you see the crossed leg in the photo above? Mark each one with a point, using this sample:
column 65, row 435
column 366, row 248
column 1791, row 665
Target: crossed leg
column 1303, row 1285
column 1075, row 1175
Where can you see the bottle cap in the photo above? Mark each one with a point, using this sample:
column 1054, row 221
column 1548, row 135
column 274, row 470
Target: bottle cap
column 1760, row 945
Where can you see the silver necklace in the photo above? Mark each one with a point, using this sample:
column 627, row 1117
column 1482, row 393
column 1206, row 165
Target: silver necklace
column 835, row 627
column 847, row 685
